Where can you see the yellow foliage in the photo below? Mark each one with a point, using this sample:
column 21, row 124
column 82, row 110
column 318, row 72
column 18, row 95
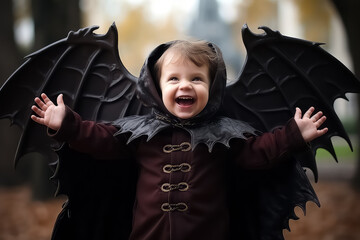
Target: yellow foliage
column 138, row 36
column 315, row 16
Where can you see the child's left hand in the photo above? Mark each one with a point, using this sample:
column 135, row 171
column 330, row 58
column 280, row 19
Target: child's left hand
column 309, row 125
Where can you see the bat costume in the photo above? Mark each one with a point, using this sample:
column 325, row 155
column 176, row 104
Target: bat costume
column 170, row 178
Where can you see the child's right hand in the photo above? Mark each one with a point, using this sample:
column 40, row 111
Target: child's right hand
column 48, row 113
column 309, row 124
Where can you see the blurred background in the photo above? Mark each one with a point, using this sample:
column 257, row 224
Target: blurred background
column 27, row 207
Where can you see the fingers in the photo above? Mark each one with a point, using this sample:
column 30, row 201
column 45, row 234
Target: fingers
column 316, row 117
column 43, row 103
column 46, row 100
column 60, row 100
column 309, row 112
column 319, row 119
column 298, row 113
column 40, row 103
column 38, row 119
column 322, row 131
column 38, row 111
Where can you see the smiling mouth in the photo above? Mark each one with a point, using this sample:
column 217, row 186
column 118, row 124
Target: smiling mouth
column 185, row 101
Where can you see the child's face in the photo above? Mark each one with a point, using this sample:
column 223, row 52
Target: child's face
column 184, row 86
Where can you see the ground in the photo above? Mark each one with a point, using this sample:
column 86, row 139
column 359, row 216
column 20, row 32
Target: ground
column 337, row 219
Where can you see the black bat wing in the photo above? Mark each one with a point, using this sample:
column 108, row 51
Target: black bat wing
column 280, row 74
column 87, row 69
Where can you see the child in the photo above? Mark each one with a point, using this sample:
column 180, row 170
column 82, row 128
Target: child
column 181, row 192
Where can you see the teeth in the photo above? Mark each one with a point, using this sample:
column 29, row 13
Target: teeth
column 185, row 98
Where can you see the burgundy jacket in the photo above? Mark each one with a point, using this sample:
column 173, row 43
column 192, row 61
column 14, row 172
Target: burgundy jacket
column 181, row 191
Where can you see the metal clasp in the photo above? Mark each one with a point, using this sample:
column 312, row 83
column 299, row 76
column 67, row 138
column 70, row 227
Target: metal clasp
column 182, row 186
column 185, row 147
column 183, row 167
column 170, row 207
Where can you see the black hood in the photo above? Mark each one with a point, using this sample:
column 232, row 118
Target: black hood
column 149, row 93
column 207, row 127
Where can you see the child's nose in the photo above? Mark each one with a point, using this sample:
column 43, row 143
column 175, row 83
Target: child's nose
column 185, row 84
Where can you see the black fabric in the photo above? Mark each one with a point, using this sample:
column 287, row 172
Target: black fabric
column 218, row 130
column 261, row 203
column 100, row 194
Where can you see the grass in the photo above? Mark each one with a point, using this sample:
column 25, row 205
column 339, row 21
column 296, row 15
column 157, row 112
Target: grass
column 342, row 150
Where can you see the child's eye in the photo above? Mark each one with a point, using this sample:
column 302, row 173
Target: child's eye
column 196, row 79
column 173, row 79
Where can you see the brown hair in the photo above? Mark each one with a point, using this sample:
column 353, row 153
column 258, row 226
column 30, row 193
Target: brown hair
column 198, row 52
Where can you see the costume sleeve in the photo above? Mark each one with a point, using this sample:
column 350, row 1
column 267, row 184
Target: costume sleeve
column 261, row 152
column 95, row 139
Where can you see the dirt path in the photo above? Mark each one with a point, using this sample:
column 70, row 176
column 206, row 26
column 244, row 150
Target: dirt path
column 337, row 219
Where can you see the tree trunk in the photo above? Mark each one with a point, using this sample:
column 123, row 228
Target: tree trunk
column 9, row 60
column 53, row 19
column 349, row 13
column 9, row 57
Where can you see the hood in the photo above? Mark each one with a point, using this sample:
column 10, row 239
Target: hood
column 148, row 91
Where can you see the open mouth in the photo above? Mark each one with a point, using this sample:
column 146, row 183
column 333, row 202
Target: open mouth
column 185, row 101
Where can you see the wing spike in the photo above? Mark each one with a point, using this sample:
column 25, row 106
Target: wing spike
column 328, row 146
column 269, row 32
column 252, row 39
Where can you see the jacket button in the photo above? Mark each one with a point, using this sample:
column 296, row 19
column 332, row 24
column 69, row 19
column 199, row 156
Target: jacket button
column 170, row 207
column 167, row 187
column 183, row 167
column 185, row 147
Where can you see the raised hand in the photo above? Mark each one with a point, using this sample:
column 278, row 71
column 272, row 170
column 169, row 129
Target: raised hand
column 309, row 124
column 48, row 113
